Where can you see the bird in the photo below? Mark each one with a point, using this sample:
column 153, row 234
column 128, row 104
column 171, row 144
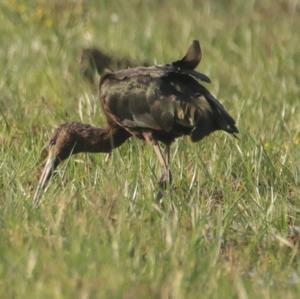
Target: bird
column 156, row 104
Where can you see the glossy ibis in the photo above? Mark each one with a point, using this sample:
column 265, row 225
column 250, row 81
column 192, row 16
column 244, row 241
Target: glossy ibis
column 158, row 103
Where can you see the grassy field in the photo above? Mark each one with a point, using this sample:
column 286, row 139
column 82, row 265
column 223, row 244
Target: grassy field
column 230, row 225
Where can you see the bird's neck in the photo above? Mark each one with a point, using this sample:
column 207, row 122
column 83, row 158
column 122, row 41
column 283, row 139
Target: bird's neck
column 98, row 140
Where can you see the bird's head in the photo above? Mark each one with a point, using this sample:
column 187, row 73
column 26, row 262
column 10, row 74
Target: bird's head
column 61, row 146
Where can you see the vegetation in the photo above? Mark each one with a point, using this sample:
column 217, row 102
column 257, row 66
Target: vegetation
column 228, row 227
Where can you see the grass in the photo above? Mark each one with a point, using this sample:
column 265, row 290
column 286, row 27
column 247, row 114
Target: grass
column 229, row 227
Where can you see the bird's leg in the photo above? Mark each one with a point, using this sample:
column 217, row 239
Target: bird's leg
column 166, row 175
column 167, row 153
column 168, row 160
column 108, row 156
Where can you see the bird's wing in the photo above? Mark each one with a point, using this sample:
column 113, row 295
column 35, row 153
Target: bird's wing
column 189, row 62
column 137, row 102
column 163, row 98
column 158, row 100
column 191, row 59
column 210, row 113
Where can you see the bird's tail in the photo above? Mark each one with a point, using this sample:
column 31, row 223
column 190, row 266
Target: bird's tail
column 224, row 120
column 211, row 117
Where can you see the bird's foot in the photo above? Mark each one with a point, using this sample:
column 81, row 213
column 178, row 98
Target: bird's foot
column 164, row 182
column 159, row 196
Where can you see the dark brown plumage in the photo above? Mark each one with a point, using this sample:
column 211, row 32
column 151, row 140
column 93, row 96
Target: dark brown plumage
column 158, row 103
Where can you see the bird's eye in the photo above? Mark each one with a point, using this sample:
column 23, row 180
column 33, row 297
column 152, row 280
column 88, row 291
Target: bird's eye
column 52, row 142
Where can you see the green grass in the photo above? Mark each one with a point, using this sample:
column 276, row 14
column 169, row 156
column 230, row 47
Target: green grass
column 229, row 226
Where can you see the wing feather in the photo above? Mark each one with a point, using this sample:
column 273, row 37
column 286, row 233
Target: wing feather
column 163, row 98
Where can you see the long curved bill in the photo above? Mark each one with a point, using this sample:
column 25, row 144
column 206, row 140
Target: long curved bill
column 45, row 176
